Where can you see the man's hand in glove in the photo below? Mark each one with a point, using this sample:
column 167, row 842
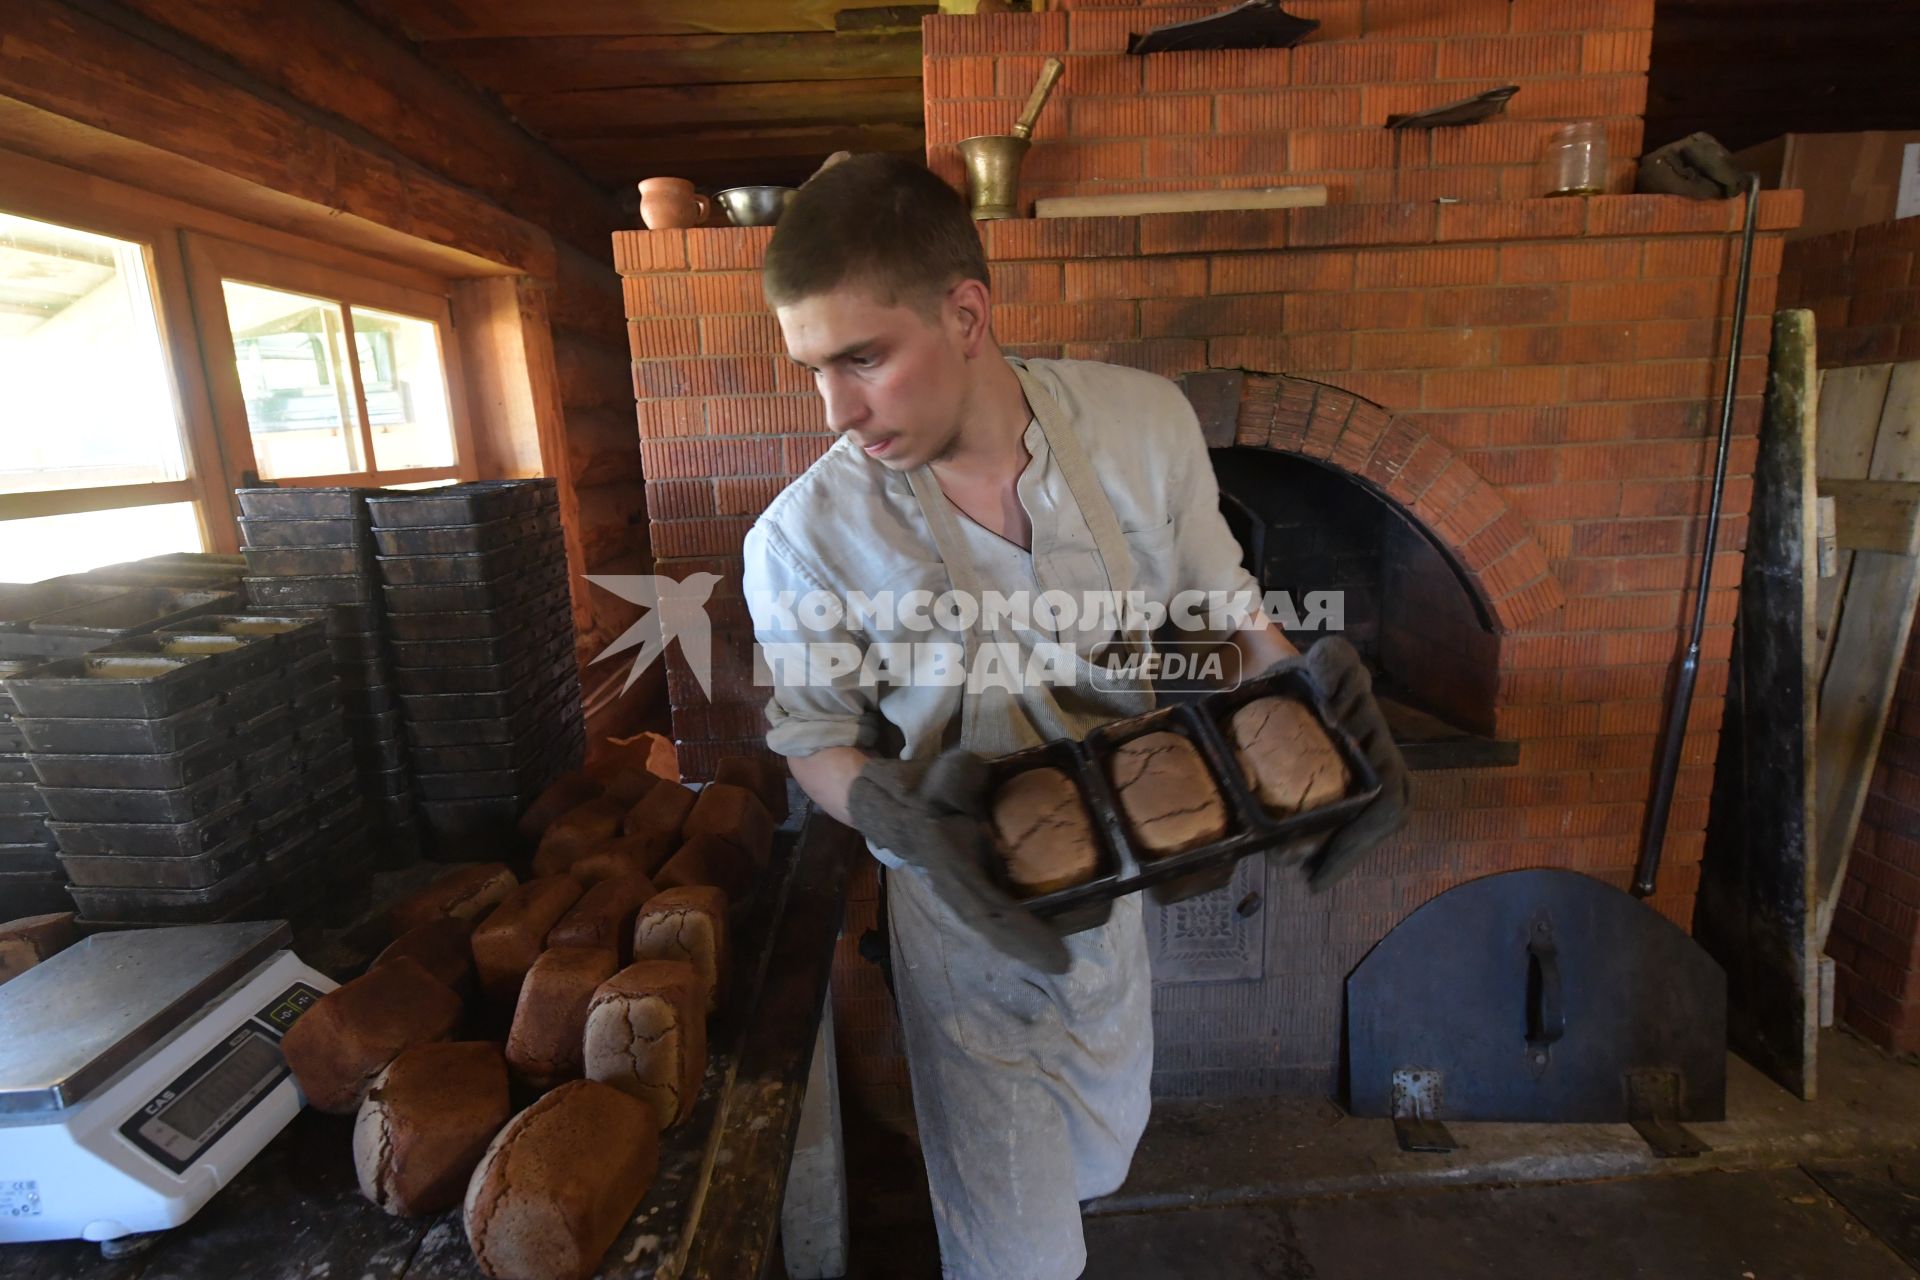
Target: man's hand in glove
column 930, row 816
column 1340, row 678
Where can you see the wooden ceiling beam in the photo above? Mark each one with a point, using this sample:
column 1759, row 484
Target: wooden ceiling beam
column 83, row 91
column 542, row 64
column 477, row 19
column 591, row 113
column 624, row 160
column 350, row 68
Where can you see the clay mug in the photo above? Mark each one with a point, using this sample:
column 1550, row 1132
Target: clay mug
column 671, row 202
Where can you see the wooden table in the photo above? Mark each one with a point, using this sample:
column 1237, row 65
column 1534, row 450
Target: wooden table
column 714, row 1210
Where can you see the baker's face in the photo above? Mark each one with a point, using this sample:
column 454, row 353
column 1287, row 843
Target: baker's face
column 893, row 378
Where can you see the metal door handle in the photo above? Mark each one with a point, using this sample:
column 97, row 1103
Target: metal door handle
column 1546, row 1015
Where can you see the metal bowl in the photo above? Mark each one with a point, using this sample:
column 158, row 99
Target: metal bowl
column 755, row 206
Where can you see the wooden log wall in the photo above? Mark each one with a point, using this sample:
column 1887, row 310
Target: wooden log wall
column 312, row 118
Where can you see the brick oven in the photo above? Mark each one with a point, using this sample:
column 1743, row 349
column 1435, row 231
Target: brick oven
column 1497, row 409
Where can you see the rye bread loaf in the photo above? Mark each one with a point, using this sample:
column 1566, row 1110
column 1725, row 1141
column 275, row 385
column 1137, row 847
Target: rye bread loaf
column 580, row 828
column 558, row 1183
column 1166, row 793
column 27, row 941
column 622, row 783
column 568, row 791
column 1289, row 761
column 647, row 1035
column 338, row 1046
column 608, row 862
column 467, row 894
column 765, row 777
column 426, row 1121
column 710, row 860
column 660, row 814
column 733, row 814
column 506, row 943
column 444, row 946
column 543, row 1048
column 603, row 916
column 1042, row 832
column 688, row 923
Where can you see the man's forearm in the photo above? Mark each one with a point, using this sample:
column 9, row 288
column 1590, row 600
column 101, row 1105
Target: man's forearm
column 828, row 775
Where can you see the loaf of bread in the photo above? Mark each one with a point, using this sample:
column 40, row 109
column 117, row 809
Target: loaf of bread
column 765, row 776
column 1169, row 798
column 337, row 1047
column 444, row 946
column 603, row 917
column 647, row 1036
column 426, row 1121
column 623, row 784
column 1042, row 832
column 468, row 894
column 610, row 861
column 27, row 941
column 660, row 813
column 1288, row 759
column 506, row 943
column 568, row 791
column 557, row 1185
column 581, row 827
column 688, row 923
column 543, row 1048
column 710, row 860
column 735, row 815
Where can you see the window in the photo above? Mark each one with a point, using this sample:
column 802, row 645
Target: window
column 335, row 379
column 154, row 356
column 94, row 458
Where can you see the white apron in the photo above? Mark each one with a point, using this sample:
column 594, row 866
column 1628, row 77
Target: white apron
column 1031, row 1090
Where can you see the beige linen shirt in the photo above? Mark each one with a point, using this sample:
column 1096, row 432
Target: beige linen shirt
column 850, row 524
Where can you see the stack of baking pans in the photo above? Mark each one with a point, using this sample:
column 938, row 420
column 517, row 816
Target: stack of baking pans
column 482, row 640
column 311, row 551
column 31, row 882
column 65, row 617
column 197, row 774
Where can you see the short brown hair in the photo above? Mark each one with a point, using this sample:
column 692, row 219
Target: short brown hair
column 883, row 221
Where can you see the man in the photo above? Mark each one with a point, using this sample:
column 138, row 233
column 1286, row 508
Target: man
column 959, row 470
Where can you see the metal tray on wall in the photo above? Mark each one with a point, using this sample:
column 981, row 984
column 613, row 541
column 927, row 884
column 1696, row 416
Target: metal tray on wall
column 315, row 561
column 235, row 659
column 139, row 772
column 153, row 839
column 314, row 591
column 470, row 597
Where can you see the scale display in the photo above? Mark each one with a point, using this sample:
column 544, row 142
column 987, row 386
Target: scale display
column 208, row 1098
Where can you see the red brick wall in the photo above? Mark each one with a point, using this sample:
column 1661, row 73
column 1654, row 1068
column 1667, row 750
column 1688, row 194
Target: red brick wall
column 1562, row 359
column 1875, row 940
column 1313, row 114
column 1863, row 291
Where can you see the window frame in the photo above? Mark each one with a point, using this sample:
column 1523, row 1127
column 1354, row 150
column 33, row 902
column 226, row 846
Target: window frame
column 158, row 238
column 210, row 261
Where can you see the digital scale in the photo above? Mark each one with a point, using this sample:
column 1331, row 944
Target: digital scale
column 140, row 1071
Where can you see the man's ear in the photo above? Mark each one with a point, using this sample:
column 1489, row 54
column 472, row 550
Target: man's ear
column 971, row 308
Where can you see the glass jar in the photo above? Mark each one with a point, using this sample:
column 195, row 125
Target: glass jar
column 1575, row 163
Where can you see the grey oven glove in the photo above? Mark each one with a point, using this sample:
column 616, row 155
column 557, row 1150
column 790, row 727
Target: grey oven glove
column 932, row 817
column 1341, row 679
